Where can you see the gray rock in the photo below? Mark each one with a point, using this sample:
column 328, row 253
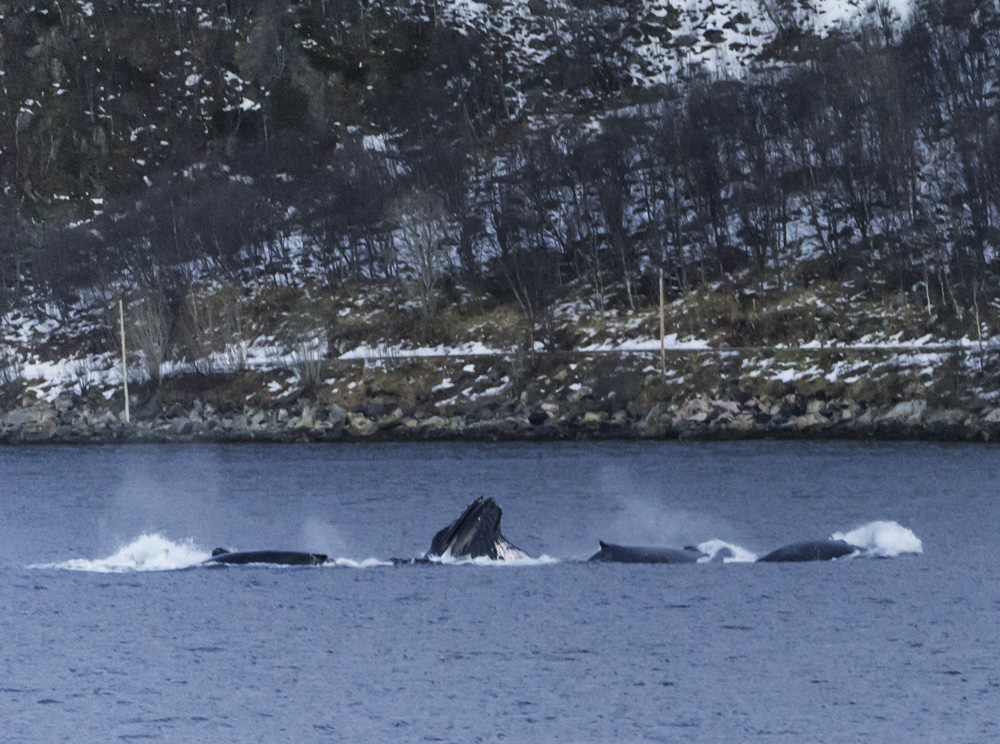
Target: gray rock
column 807, row 421
column 25, row 416
column 743, row 422
column 654, row 415
column 695, row 409
column 308, row 417
column 181, row 427
column 390, row 420
column 729, row 406
column 336, row 416
column 908, row 412
column 815, row 406
column 722, row 419
column 947, row 417
column 36, row 433
column 361, row 424
column 863, row 421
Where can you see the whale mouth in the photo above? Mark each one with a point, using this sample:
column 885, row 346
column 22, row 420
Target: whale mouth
column 476, row 534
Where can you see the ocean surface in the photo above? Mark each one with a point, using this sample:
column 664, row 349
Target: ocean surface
column 110, row 630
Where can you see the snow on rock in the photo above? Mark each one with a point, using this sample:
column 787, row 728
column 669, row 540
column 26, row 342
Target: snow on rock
column 671, row 38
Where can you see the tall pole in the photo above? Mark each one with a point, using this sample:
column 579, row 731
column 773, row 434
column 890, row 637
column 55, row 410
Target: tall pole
column 121, row 327
column 663, row 353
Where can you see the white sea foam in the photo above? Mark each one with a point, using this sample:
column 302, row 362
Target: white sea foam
column 146, row 553
column 882, row 539
column 351, row 563
column 714, row 549
column 526, row 560
column 449, row 560
column 506, row 553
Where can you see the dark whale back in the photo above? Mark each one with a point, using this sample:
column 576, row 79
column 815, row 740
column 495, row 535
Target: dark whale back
column 636, row 554
column 279, row 557
column 811, row 550
column 475, row 534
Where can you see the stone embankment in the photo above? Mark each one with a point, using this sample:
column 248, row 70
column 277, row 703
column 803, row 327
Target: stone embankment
column 789, row 417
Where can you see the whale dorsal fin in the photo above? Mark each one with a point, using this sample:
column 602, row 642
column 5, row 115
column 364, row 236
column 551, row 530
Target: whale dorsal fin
column 602, row 544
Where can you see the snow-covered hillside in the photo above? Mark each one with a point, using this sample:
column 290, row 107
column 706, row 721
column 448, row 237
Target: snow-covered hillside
column 665, row 40
column 165, row 80
column 288, row 197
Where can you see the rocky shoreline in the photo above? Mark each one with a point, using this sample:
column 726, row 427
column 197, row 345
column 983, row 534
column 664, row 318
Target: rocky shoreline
column 697, row 418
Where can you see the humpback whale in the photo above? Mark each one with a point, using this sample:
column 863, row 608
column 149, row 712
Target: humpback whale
column 475, row 534
column 810, row 550
column 280, row 557
column 634, row 554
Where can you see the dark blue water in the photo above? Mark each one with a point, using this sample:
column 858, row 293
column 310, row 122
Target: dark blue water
column 893, row 650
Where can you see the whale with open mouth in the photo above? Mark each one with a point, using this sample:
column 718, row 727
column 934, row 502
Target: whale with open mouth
column 475, row 534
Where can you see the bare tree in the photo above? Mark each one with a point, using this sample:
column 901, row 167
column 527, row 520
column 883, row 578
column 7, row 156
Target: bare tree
column 216, row 327
column 11, row 368
column 149, row 331
column 14, row 254
column 757, row 162
column 520, row 240
column 423, row 229
column 607, row 166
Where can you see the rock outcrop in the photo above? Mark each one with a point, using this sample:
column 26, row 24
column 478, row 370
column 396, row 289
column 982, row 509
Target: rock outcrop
column 790, row 417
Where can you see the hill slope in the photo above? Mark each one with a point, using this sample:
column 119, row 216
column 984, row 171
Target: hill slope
column 279, row 190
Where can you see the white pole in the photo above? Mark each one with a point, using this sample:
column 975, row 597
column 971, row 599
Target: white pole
column 121, row 325
column 663, row 353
